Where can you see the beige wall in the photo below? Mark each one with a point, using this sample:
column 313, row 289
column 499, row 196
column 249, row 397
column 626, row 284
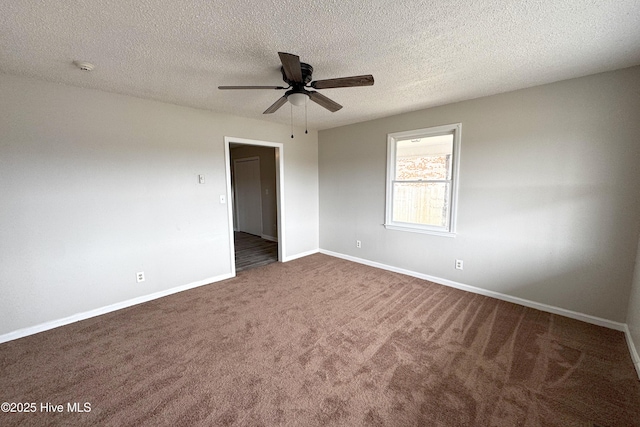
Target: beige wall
column 548, row 200
column 95, row 187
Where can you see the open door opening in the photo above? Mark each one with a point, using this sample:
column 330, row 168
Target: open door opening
column 255, row 195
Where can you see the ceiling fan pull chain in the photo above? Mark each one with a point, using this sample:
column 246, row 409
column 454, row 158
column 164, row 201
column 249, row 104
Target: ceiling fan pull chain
column 305, row 118
column 291, row 119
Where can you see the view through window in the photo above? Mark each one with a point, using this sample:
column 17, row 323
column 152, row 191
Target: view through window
column 421, row 172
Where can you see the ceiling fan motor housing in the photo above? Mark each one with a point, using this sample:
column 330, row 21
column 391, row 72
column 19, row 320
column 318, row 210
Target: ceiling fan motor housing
column 307, row 72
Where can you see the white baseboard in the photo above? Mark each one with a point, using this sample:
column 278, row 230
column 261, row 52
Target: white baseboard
column 300, row 255
column 270, row 238
column 635, row 357
column 20, row 333
column 504, row 297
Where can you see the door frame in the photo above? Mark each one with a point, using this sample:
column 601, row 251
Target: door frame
column 279, row 154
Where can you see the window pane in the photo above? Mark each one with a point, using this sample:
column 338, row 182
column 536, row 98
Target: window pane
column 424, row 158
column 421, row 203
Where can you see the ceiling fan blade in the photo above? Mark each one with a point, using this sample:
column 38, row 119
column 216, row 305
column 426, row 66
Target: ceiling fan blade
column 250, row 87
column 325, row 102
column 279, row 103
column 366, row 80
column 291, row 66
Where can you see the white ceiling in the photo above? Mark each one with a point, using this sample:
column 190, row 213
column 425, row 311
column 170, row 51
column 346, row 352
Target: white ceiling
column 421, row 53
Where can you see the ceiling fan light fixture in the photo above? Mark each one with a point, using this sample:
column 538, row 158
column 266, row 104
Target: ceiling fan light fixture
column 298, row 99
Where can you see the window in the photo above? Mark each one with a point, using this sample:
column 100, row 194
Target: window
column 422, row 181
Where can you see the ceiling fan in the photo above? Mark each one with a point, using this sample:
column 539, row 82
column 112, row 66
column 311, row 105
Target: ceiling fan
column 298, row 76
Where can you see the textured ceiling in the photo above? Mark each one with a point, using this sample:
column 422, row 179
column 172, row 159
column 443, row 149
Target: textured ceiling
column 421, row 53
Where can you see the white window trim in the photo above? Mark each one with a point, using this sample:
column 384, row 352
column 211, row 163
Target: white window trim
column 392, row 138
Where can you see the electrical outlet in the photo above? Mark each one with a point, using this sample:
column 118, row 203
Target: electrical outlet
column 140, row 276
column 459, row 264
column 358, row 244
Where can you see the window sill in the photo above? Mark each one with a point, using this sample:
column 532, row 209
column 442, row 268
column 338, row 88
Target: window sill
column 419, row 230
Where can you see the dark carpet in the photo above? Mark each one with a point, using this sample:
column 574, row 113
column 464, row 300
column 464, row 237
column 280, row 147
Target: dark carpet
column 321, row 341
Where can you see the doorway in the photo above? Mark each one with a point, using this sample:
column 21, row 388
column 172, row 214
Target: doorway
column 255, row 195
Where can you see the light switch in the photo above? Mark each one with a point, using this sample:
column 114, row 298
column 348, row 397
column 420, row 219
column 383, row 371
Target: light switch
column 223, row 199
column 201, row 179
